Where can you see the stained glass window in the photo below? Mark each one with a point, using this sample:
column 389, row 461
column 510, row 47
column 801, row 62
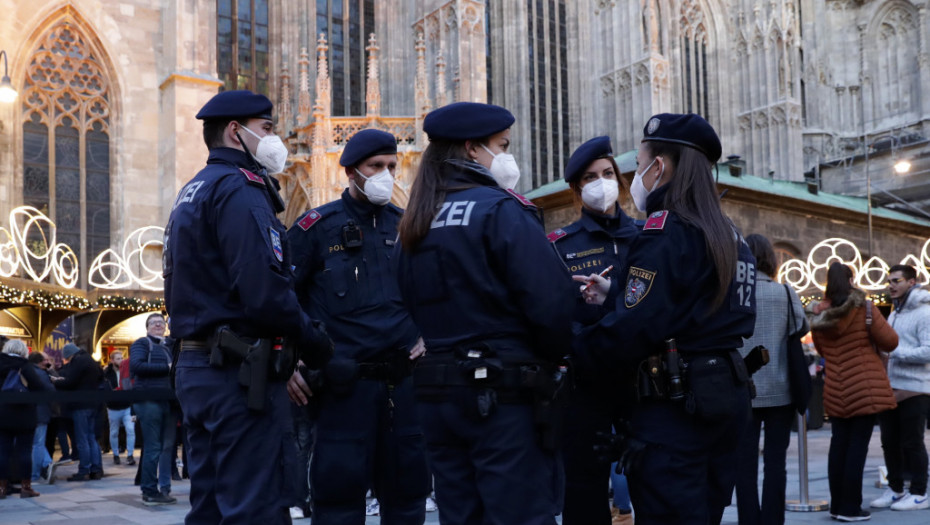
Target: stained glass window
column 242, row 44
column 66, row 140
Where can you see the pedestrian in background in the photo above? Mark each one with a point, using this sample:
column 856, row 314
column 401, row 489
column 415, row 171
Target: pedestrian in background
column 119, row 413
column 82, row 373
column 42, row 466
column 777, row 306
column 856, row 387
column 599, row 240
column 493, row 303
column 909, row 374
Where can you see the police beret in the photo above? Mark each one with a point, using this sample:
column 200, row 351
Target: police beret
column 466, row 121
column 690, row 130
column 236, row 104
column 367, row 143
column 596, row 148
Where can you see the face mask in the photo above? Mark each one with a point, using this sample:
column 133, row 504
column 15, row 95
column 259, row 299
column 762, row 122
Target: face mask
column 270, row 153
column 380, row 187
column 638, row 191
column 504, row 169
column 601, row 194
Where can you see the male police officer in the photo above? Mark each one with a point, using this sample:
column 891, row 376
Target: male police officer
column 366, row 424
column 229, row 290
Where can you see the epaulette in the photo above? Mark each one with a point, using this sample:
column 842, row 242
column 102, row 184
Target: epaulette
column 556, row 235
column 656, row 220
column 309, row 220
column 254, row 179
column 523, row 200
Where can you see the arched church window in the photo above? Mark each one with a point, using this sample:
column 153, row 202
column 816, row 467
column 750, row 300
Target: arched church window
column 242, row 44
column 346, row 27
column 66, row 140
column 694, row 47
column 896, row 82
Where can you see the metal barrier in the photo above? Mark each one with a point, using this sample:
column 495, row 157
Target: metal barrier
column 804, row 504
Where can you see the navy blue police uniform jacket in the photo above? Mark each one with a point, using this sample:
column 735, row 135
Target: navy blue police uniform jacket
column 226, row 259
column 485, row 271
column 667, row 290
column 352, row 290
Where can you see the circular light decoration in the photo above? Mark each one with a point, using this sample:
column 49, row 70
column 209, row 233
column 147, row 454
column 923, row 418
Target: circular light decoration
column 872, row 275
column 794, row 272
column 30, row 246
column 829, row 251
column 923, row 277
column 135, row 266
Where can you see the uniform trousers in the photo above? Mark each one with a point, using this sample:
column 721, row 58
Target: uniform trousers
column 849, row 445
column 903, row 443
column 688, row 471
column 237, row 457
column 490, row 471
column 369, row 438
column 586, row 478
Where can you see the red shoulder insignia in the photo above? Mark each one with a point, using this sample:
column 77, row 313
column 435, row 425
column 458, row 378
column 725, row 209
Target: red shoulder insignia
column 309, row 220
column 556, row 235
column 656, row 221
column 523, row 200
column 253, row 178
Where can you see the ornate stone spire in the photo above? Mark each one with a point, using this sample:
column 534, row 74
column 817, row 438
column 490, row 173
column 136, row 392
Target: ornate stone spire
column 421, row 93
column 323, row 105
column 373, row 88
column 303, row 93
column 284, row 111
column 441, row 96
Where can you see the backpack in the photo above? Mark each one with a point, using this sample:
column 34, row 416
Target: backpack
column 14, row 382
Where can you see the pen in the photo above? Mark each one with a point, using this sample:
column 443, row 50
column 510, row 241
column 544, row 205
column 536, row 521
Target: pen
column 584, row 287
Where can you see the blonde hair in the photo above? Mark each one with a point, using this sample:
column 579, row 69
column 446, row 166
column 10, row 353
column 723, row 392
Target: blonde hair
column 16, row 347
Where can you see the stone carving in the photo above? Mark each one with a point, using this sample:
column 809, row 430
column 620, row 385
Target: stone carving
column 603, row 5
column 373, row 87
column 303, row 89
column 442, row 97
column 652, row 37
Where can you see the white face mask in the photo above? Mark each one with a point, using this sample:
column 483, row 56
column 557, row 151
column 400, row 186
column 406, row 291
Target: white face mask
column 270, row 153
column 638, row 191
column 380, row 187
column 504, row 169
column 600, row 194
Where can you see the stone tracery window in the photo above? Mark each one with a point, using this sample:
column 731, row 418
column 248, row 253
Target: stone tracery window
column 694, row 48
column 896, row 78
column 66, row 139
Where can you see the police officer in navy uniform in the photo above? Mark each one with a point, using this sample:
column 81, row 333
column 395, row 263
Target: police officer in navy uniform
column 681, row 309
column 367, row 433
column 599, row 240
column 493, row 303
column 226, row 264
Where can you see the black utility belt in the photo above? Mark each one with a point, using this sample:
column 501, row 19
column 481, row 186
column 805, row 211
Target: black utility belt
column 513, row 383
column 390, row 372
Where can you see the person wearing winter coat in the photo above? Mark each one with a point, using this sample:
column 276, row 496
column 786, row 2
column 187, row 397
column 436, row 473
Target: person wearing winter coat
column 909, row 373
column 856, row 387
column 81, row 372
column 17, row 421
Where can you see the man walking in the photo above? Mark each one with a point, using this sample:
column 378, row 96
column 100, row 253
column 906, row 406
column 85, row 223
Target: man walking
column 81, row 372
column 909, row 373
column 119, row 413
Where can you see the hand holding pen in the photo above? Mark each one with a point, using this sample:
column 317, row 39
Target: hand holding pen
column 596, row 286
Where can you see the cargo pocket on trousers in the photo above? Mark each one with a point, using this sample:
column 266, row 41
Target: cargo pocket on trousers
column 338, row 471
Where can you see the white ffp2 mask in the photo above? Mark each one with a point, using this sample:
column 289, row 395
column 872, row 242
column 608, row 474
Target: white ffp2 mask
column 378, row 188
column 270, row 153
column 504, row 169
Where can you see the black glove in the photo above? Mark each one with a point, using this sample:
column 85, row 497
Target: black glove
column 317, row 350
column 621, row 447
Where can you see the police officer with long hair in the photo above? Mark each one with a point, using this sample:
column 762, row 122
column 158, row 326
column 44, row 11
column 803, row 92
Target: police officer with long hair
column 493, row 303
column 681, row 309
column 598, row 241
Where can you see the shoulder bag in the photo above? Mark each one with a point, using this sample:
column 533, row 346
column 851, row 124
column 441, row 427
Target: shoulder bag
column 799, row 376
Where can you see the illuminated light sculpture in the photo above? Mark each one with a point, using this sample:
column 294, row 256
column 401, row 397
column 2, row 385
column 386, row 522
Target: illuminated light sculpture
column 130, row 268
column 29, row 248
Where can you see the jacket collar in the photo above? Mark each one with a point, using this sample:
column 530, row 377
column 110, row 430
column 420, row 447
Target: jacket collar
column 617, row 224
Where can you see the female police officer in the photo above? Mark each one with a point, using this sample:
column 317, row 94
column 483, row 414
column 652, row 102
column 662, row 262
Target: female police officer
column 472, row 260
column 688, row 286
column 599, row 240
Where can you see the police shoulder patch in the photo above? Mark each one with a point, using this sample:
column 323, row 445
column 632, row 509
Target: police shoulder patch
column 276, row 246
column 309, row 220
column 656, row 220
column 523, row 200
column 252, row 178
column 638, row 284
column 556, row 235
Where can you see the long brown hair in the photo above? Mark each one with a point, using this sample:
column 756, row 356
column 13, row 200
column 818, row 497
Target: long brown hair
column 838, row 287
column 692, row 195
column 428, row 190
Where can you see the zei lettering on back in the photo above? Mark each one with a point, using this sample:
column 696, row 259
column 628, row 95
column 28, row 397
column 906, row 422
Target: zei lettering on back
column 744, row 284
column 456, row 213
column 188, row 193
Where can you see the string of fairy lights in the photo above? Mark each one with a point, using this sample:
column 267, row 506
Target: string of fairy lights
column 64, row 301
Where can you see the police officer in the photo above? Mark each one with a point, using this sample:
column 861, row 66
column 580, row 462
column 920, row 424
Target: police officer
column 682, row 307
column 367, row 434
column 493, row 303
column 226, row 264
column 597, row 241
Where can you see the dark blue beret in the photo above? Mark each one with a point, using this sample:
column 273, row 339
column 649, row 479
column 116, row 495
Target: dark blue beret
column 236, row 104
column 367, row 143
column 690, row 130
column 466, row 121
column 596, row 148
